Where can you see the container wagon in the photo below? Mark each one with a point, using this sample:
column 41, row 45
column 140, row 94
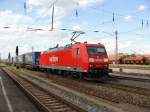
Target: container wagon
column 32, row 60
column 21, row 60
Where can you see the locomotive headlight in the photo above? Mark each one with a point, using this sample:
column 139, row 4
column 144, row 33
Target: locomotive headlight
column 91, row 60
column 105, row 59
column 91, row 65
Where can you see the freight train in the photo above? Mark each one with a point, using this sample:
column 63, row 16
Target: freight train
column 80, row 59
column 27, row 60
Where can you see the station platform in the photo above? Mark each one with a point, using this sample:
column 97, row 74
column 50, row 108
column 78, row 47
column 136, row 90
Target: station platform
column 132, row 71
column 12, row 99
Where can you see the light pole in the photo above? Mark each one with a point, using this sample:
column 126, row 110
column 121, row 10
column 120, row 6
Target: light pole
column 116, row 44
column 116, row 49
column 17, row 52
column 32, row 49
column 0, row 58
column 52, row 24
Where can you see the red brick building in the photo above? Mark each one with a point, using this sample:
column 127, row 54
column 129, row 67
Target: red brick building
column 130, row 59
column 112, row 58
column 138, row 59
column 147, row 59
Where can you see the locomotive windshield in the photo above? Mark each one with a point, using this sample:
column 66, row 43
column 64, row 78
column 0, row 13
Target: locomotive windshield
column 96, row 50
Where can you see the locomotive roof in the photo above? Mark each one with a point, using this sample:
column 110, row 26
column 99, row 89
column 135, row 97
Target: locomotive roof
column 28, row 53
column 70, row 46
column 59, row 48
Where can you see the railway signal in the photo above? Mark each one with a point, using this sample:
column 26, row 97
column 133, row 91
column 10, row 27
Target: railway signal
column 9, row 57
column 17, row 52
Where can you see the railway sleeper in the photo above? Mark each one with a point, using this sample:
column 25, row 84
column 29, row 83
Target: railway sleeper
column 60, row 107
column 39, row 94
column 48, row 102
column 49, row 99
column 55, row 104
column 63, row 110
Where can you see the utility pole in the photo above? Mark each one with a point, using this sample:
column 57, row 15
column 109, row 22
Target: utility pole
column 32, row 49
column 116, row 49
column 17, row 52
column 116, row 44
column 25, row 8
column 9, row 58
column 0, row 58
column 52, row 24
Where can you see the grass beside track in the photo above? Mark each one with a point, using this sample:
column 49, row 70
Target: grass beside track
column 129, row 66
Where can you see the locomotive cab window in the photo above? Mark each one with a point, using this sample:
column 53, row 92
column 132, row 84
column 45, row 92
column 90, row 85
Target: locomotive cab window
column 78, row 51
column 96, row 50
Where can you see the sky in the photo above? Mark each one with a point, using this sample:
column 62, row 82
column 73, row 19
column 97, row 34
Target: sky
column 131, row 18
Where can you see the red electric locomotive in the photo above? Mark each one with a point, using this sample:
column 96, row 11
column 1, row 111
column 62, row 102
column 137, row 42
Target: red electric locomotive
column 86, row 60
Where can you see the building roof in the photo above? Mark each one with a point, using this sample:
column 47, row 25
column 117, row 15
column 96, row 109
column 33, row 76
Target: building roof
column 112, row 57
column 134, row 58
column 147, row 57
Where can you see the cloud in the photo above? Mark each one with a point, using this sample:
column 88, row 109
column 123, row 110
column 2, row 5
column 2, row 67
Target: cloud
column 63, row 3
column 142, row 7
column 8, row 18
column 62, row 7
column 128, row 18
column 42, row 40
column 77, row 27
column 17, row 33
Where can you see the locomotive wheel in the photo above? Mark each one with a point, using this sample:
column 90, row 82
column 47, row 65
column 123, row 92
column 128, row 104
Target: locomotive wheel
column 80, row 76
column 66, row 74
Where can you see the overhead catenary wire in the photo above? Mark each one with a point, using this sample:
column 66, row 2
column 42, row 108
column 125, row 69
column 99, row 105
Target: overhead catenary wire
column 121, row 15
column 115, row 17
column 70, row 30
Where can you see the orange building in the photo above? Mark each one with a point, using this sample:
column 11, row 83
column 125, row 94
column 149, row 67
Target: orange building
column 138, row 59
column 147, row 59
column 131, row 59
column 112, row 58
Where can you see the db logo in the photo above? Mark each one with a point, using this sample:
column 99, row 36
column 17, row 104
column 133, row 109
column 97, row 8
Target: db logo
column 53, row 59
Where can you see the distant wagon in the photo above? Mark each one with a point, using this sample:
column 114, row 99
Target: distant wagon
column 32, row 60
column 20, row 60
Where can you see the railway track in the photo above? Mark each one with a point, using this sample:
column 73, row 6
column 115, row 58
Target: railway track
column 131, row 89
column 116, row 85
column 109, row 91
column 112, row 92
column 130, row 78
column 47, row 101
